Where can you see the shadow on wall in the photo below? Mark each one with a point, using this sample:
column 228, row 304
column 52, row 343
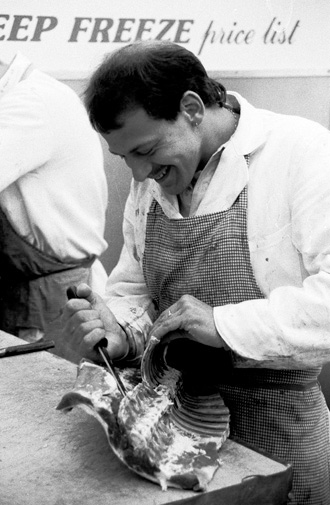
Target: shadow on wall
column 119, row 178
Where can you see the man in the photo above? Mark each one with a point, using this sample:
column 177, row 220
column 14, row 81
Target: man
column 227, row 237
column 53, row 198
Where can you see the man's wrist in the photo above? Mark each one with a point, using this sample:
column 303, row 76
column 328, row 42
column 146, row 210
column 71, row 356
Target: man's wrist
column 126, row 344
column 131, row 358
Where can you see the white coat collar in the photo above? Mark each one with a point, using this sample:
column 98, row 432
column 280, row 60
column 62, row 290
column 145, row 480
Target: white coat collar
column 250, row 132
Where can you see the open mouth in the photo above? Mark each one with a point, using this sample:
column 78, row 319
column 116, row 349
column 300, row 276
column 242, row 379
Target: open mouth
column 162, row 173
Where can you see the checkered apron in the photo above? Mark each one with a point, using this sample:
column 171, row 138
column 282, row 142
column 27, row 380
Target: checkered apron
column 280, row 411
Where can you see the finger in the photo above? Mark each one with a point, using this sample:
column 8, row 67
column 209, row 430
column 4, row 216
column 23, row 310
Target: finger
column 76, row 304
column 97, row 303
column 85, row 315
column 167, row 314
column 163, row 326
column 73, row 307
column 75, row 328
column 87, row 327
column 92, row 339
column 90, row 342
column 83, row 290
column 76, row 319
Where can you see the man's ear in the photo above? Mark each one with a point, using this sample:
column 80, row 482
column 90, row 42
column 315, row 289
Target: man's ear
column 192, row 106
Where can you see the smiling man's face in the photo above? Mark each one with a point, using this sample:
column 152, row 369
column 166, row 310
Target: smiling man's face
column 167, row 151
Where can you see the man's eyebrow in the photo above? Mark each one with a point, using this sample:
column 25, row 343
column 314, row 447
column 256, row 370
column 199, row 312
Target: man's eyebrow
column 150, row 142
column 147, row 143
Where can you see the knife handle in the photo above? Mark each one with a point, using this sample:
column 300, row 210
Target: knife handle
column 14, row 350
column 71, row 292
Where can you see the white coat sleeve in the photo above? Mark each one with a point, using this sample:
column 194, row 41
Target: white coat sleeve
column 126, row 293
column 291, row 328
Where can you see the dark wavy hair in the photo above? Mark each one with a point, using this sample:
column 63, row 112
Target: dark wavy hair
column 153, row 75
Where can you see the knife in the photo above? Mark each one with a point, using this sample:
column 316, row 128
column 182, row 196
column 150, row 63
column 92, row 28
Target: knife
column 104, row 353
column 101, row 347
column 14, row 350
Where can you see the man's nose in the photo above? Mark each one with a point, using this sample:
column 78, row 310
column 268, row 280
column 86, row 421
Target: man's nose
column 141, row 168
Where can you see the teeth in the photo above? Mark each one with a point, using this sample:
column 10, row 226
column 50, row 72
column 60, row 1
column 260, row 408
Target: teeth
column 161, row 174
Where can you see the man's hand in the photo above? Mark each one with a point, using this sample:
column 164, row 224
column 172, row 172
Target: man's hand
column 191, row 315
column 87, row 320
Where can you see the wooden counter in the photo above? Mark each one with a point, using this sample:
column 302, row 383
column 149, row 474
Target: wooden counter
column 48, row 457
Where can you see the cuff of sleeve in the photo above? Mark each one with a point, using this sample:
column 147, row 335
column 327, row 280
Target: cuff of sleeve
column 133, row 357
column 249, row 330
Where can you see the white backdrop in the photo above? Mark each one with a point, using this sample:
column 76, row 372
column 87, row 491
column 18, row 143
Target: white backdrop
column 68, row 38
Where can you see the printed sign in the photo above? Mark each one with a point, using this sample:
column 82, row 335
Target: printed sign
column 69, row 38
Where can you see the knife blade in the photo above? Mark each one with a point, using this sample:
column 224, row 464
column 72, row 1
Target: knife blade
column 14, row 350
column 104, row 353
